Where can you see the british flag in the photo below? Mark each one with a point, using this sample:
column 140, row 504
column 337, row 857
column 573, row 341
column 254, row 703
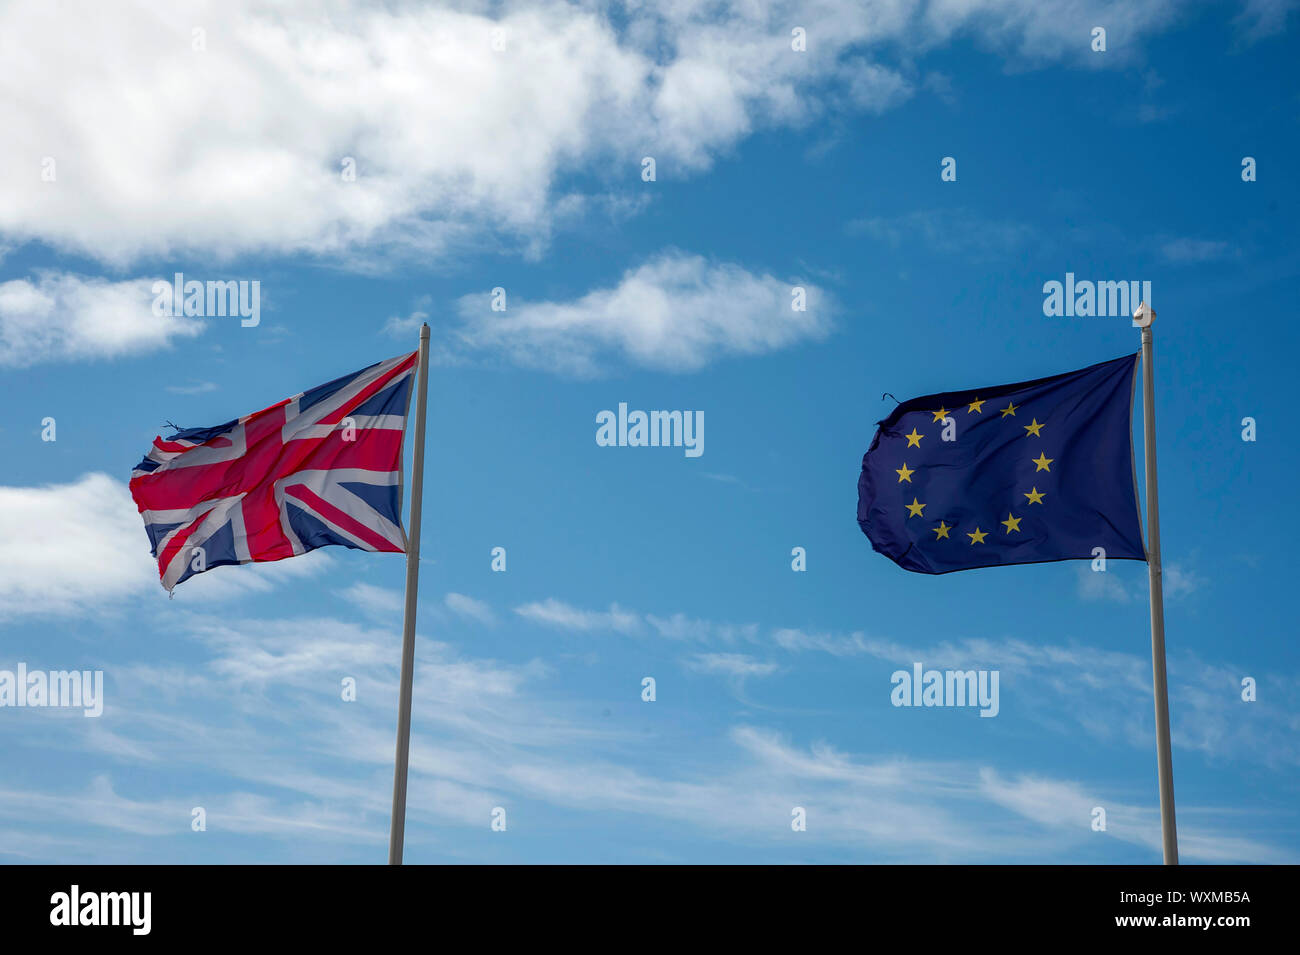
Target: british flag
column 323, row 467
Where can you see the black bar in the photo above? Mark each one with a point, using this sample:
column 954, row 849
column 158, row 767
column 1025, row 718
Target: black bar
column 332, row 904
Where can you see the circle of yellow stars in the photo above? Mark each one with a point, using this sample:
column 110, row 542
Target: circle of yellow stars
column 1033, row 495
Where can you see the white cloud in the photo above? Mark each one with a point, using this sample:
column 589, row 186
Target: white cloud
column 555, row 613
column 676, row 312
column 68, row 548
column 471, row 608
column 237, row 148
column 69, row 317
column 81, row 548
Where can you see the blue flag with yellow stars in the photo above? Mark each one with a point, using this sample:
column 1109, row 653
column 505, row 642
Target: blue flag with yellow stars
column 1012, row 474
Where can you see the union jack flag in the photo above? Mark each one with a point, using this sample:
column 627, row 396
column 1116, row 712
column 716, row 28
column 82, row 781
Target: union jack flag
column 323, row 467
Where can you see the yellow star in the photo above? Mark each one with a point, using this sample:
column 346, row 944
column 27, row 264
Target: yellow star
column 977, row 537
column 904, row 473
column 1042, row 461
column 1035, row 496
column 1010, row 409
column 938, row 415
column 976, row 405
column 1034, row 429
column 915, row 508
column 914, row 439
column 942, row 530
column 1012, row 523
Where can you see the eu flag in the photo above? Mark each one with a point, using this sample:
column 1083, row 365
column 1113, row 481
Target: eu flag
column 1012, row 474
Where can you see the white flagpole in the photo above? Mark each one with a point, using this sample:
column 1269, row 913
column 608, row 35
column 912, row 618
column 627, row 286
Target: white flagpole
column 397, row 830
column 1143, row 318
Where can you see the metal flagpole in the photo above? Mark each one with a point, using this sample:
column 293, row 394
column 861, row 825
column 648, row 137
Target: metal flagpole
column 397, row 831
column 1143, row 318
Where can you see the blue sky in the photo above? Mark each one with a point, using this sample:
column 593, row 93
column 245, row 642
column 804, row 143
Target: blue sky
column 521, row 168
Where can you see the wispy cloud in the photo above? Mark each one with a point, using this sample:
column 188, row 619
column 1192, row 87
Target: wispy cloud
column 1192, row 251
column 726, row 479
column 1096, row 585
column 199, row 388
column 1123, row 586
column 1259, row 19
column 1067, row 688
column 376, row 601
column 736, row 669
column 562, row 616
column 469, row 607
column 1074, row 687
column 490, row 734
column 406, row 326
column 957, row 232
column 1058, row 805
column 738, row 665
column 678, row 626
column 1180, row 581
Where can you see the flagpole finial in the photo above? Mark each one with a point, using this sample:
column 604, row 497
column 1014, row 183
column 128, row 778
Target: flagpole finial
column 1144, row 316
